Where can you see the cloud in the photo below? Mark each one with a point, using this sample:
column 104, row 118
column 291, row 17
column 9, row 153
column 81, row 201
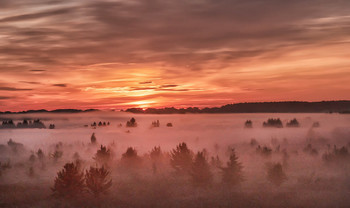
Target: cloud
column 146, row 82
column 5, row 98
column 27, row 17
column 248, row 44
column 37, row 70
column 60, row 85
column 13, row 89
column 34, row 83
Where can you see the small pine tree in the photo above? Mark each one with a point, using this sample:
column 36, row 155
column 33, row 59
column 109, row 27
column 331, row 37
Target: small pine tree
column 40, row 155
column 103, row 156
column 215, row 162
column 93, row 138
column 97, row 181
column 232, row 173
column 57, row 155
column 130, row 159
column 69, row 181
column 275, row 174
column 156, row 153
column 156, row 157
column 181, row 158
column 200, row 171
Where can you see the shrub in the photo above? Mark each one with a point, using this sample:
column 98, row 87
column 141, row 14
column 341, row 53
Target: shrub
column 264, row 151
column 248, row 124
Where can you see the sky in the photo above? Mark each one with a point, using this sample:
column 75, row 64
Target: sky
column 116, row 54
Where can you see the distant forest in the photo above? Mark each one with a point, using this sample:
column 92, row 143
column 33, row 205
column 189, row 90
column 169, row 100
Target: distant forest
column 262, row 107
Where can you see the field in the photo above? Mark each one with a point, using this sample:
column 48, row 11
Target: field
column 314, row 161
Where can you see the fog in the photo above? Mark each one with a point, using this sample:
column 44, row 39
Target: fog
column 315, row 176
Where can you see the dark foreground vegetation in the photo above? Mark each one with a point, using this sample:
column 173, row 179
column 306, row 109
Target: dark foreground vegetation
column 90, row 174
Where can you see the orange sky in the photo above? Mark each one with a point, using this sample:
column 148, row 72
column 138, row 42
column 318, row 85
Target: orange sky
column 141, row 53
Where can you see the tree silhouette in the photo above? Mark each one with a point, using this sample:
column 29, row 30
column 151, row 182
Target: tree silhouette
column 40, row 155
column 93, row 138
column 181, row 158
column 156, row 156
column 200, row 171
column 248, row 124
column 232, row 173
column 215, row 162
column 69, row 181
column 103, row 156
column 275, row 174
column 293, row 123
column 271, row 122
column 131, row 123
column 57, row 155
column 130, row 159
column 97, row 181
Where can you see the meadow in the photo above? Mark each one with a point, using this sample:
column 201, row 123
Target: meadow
column 223, row 163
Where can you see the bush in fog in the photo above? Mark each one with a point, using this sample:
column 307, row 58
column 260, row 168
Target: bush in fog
column 215, row 161
column 103, row 156
column 248, row 124
column 181, row 158
column 15, row 146
column 336, row 155
column 97, row 181
column 253, row 142
column 93, row 138
column 275, row 174
column 56, row 155
column 40, row 155
column 232, row 173
column 131, row 123
column 4, row 166
column 32, row 158
column 310, row 150
column 264, row 151
column 69, row 181
column 200, row 170
column 130, row 159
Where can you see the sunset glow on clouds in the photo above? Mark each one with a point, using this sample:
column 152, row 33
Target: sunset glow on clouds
column 140, row 53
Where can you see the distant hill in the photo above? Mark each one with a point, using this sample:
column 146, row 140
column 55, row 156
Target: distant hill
column 53, row 111
column 258, row 107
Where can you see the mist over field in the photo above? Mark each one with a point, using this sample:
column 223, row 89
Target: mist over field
column 315, row 161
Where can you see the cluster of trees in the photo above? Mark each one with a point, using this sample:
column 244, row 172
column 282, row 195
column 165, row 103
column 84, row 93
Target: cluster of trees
column 248, row 124
column 100, row 124
column 293, row 123
column 131, row 123
column 271, row 122
column 155, row 123
column 336, row 155
column 72, row 182
column 24, row 124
